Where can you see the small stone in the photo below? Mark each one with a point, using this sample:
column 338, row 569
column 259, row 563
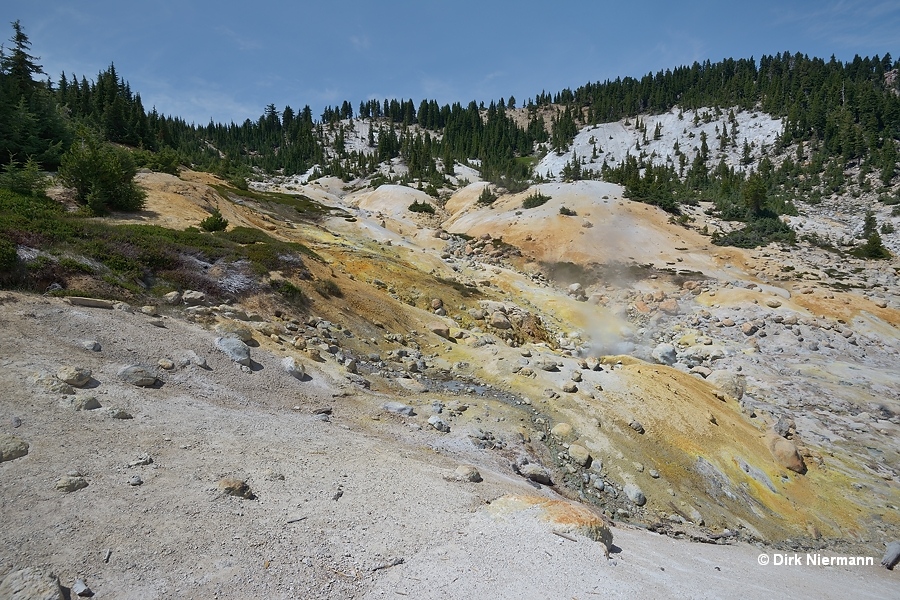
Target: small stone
column 135, row 480
column 71, row 483
column 535, row 472
column 467, row 473
column 236, row 487
column 137, row 375
column 142, row 460
column 234, row 349
column 749, row 328
column 562, row 430
column 664, row 354
column 773, row 302
column 569, row 387
column 74, row 376
column 172, row 298
column 439, row 424
column 165, row 363
column 786, row 454
column 80, row 403
column 80, row 588
column 637, row 426
column 654, row 473
column 193, row 297
column 292, row 367
column 579, row 454
column 891, row 556
column 398, row 408
column 500, row 321
column 91, row 345
column 118, row 413
column 440, row 329
column 149, row 310
column 635, row 494
column 12, row 447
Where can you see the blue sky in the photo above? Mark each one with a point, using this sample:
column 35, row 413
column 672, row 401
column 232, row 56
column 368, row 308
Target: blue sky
column 226, row 60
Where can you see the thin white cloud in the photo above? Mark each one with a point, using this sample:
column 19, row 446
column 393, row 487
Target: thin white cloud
column 848, row 23
column 243, row 43
column 361, row 42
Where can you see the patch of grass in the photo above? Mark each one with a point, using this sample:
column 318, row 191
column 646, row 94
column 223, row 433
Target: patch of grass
column 327, row 288
column 302, row 204
column 291, row 293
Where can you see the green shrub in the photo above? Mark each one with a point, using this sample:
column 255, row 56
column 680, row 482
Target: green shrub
column 28, row 180
column 9, row 259
column 214, row 222
column 102, row 175
column 567, row 212
column 291, row 293
column 758, row 232
column 535, row 199
column 422, row 207
column 486, row 197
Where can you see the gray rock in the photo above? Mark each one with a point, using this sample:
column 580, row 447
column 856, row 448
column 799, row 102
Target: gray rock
column 12, row 447
column 89, row 302
column 398, row 408
column 439, row 424
column 467, row 473
column 233, row 329
column 80, row 403
column 137, row 375
column 570, row 387
column 135, row 480
column 546, row 365
column 193, row 297
column 118, row 413
column 664, row 354
column 500, row 321
column 579, row 454
column 891, row 555
column 80, row 588
column 74, row 376
column 234, row 349
column 142, row 460
column 30, row 584
column 535, row 472
column 635, row 494
column 292, row 367
column 636, row 425
column 71, row 483
column 732, row 384
column 172, row 298
column 92, row 345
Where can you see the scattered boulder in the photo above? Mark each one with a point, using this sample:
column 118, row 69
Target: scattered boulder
column 234, row 349
column 137, row 375
column 91, row 345
column 398, row 408
column 12, row 447
column 637, row 426
column 233, row 486
column 570, row 387
column 80, row 403
column 891, row 556
column 439, row 424
column 233, row 329
column 292, row 367
column 664, row 354
column 749, row 328
column 467, row 473
column 536, row 473
column 732, row 384
column 773, row 302
column 500, row 321
column 119, row 414
column 165, row 363
column 74, row 376
column 71, row 483
column 635, row 494
column 786, row 454
column 562, row 430
column 193, row 297
column 580, row 454
column 670, row 306
column 89, row 302
column 31, row 584
column 440, row 329
column 172, row 298
column 80, row 589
